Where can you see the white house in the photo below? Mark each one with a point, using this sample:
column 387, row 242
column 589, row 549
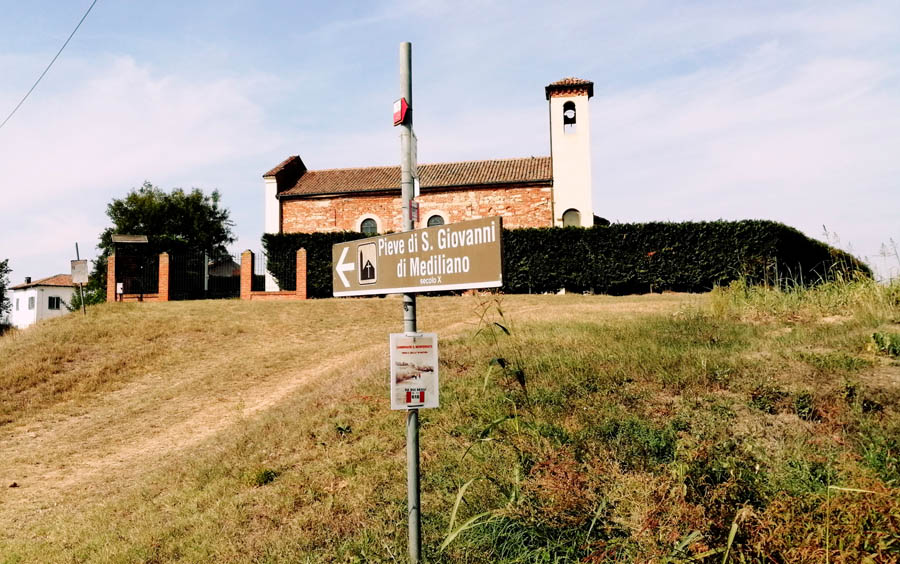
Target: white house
column 41, row 299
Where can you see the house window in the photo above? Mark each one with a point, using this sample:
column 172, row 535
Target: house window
column 53, row 302
column 31, row 302
column 435, row 220
column 572, row 218
column 569, row 117
column 17, row 304
column 368, row 227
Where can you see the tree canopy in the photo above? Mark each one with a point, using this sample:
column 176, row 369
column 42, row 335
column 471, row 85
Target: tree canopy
column 173, row 221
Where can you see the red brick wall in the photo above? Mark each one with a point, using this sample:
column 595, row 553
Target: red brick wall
column 527, row 206
column 111, row 278
column 140, row 298
column 247, row 293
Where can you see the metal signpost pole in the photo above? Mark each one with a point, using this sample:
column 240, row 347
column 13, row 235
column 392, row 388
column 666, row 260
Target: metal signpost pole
column 81, row 286
column 409, row 304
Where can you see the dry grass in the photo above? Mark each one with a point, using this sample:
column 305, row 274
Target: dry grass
column 254, row 432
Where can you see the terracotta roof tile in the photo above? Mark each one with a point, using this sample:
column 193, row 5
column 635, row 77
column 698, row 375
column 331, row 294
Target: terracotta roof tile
column 55, row 280
column 570, row 83
column 281, row 166
column 440, row 175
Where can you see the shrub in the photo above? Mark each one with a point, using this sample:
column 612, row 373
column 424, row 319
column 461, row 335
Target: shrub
column 283, row 247
column 625, row 258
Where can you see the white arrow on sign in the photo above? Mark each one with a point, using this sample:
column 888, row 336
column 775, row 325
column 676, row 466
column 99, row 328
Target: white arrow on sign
column 343, row 267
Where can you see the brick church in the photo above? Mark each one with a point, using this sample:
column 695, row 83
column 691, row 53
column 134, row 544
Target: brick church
column 526, row 192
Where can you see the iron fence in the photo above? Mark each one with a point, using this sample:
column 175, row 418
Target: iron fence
column 196, row 275
column 282, row 267
column 138, row 273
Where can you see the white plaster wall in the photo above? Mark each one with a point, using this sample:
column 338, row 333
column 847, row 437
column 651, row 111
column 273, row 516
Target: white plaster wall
column 25, row 317
column 571, row 154
column 272, row 223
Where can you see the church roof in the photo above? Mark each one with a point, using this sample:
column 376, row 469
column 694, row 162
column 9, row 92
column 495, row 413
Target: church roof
column 568, row 85
column 498, row 172
column 56, row 280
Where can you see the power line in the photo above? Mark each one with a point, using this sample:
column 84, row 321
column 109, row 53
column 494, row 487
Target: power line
column 33, row 86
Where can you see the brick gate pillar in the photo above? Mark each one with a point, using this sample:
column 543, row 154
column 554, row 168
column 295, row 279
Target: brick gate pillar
column 111, row 278
column 163, row 287
column 246, row 274
column 301, row 274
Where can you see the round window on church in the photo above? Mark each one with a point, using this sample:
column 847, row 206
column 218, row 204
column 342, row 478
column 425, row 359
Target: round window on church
column 572, row 218
column 368, row 227
column 435, row 220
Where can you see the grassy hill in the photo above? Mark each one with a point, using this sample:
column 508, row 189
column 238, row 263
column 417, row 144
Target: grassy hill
column 664, row 428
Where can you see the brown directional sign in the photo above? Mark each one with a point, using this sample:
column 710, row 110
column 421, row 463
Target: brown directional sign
column 459, row 256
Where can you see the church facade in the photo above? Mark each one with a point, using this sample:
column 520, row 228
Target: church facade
column 525, row 192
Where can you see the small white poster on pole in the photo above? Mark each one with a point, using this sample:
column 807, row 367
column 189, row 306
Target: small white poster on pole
column 414, row 370
column 79, row 272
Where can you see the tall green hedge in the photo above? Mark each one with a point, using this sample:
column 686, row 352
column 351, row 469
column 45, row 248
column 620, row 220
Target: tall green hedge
column 626, row 258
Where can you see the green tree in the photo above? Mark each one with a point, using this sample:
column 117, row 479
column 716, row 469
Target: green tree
column 172, row 221
column 4, row 281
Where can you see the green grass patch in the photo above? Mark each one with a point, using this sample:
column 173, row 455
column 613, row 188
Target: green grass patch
column 603, row 436
column 887, row 343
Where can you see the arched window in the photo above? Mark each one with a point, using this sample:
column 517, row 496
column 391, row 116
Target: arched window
column 569, row 117
column 368, row 227
column 572, row 218
column 435, row 220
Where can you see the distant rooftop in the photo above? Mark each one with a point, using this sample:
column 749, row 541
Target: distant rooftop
column 55, row 280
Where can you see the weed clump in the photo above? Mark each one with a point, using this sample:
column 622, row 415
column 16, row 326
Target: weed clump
column 767, row 398
column 887, row 343
column 880, row 450
column 263, row 476
column 636, row 443
column 725, row 476
column 804, row 407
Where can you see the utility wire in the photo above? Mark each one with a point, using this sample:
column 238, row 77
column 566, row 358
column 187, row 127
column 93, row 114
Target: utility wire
column 33, row 86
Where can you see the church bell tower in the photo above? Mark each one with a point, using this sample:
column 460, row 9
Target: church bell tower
column 570, row 150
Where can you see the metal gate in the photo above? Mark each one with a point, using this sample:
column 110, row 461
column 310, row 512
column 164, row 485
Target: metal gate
column 282, row 267
column 197, row 276
column 138, row 272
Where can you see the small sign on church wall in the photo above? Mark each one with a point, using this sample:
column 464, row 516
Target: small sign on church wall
column 414, row 370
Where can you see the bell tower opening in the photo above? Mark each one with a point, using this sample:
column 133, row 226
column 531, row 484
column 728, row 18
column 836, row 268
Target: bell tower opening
column 569, row 117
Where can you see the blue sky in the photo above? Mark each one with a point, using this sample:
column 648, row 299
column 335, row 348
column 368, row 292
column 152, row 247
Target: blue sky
column 778, row 110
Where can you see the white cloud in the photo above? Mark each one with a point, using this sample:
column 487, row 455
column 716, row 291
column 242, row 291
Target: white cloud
column 116, row 126
column 808, row 143
column 122, row 123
